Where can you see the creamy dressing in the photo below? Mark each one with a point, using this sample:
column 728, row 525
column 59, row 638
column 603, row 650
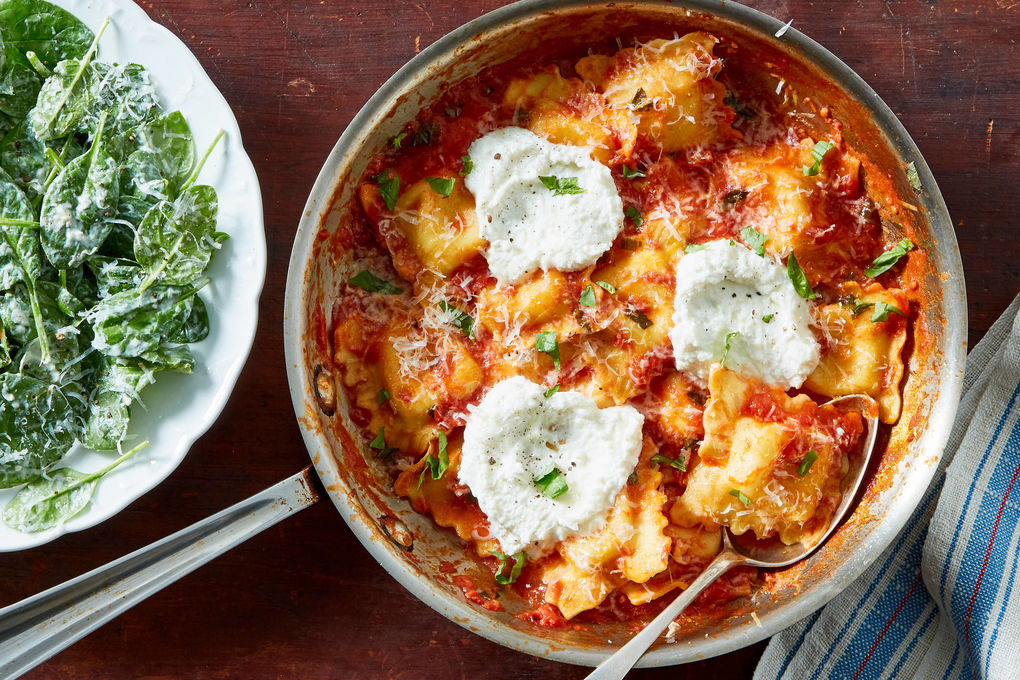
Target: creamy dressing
column 516, row 435
column 529, row 226
column 728, row 292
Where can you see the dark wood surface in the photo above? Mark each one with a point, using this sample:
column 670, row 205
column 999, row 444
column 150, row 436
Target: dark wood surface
column 304, row 599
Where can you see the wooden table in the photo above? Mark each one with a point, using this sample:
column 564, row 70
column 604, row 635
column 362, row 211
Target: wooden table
column 304, row 599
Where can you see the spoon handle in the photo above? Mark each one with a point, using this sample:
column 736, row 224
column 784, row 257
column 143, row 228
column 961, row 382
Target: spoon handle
column 36, row 628
column 617, row 666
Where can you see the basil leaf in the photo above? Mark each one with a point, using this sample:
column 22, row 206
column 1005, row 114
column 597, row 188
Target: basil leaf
column 438, row 464
column 561, row 186
column 606, row 286
column 809, row 459
column 638, row 317
column 502, row 577
column 460, row 319
column 552, row 484
column 734, row 197
column 389, row 188
column 546, row 342
column 726, row 346
column 694, row 247
column 441, row 185
column 382, row 396
column 798, row 279
column 755, row 239
column 588, row 297
column 373, row 284
column 739, row 108
column 768, row 317
column 886, row 260
column 630, row 174
column 860, row 306
column 882, row 311
column 466, row 166
column 818, row 152
column 634, row 215
column 552, row 390
column 396, row 141
column 912, row 176
column 680, row 463
column 740, row 496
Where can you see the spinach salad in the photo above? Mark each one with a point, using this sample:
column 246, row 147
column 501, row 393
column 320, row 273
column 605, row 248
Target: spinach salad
column 105, row 236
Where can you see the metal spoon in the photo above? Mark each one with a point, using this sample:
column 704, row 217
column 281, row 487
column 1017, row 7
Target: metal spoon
column 737, row 552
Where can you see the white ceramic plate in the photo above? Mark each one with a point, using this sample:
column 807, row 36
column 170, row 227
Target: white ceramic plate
column 178, row 408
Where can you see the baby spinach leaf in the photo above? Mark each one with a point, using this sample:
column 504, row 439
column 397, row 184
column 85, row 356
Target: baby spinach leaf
column 61, row 366
column 196, row 327
column 68, row 84
column 114, row 275
column 176, row 240
column 109, row 408
column 76, row 210
column 23, row 156
column 163, row 160
column 167, row 357
column 36, row 427
column 19, row 87
column 52, row 33
column 49, row 501
column 125, row 95
column 131, row 323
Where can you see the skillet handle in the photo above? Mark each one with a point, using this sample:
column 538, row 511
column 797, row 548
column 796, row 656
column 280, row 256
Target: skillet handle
column 38, row 627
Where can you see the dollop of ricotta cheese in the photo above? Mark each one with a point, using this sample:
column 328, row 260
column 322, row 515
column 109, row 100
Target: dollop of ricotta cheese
column 516, row 435
column 529, row 226
column 726, row 294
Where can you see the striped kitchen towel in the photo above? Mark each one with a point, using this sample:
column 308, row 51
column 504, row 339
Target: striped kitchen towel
column 940, row 603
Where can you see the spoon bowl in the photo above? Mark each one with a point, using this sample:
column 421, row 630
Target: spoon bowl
column 747, row 550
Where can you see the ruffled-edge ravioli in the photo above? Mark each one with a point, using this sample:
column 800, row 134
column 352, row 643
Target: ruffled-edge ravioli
column 630, row 547
column 747, row 474
column 862, row 356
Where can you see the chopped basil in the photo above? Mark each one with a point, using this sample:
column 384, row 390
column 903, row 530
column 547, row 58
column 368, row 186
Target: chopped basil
column 882, row 311
column 634, row 215
column 382, row 396
column 768, row 317
column 738, row 107
column 461, row 320
column 861, row 305
column 389, row 188
column 466, row 165
column 755, row 239
column 552, row 484
column 740, row 496
column 373, row 284
column 798, row 279
column 441, row 185
column 398, row 140
column 726, row 346
column 639, row 317
column 818, row 152
column 640, row 100
column 606, row 286
column 561, row 186
column 886, row 260
column 694, row 247
column 630, row 174
column 438, row 464
column 679, row 463
column 546, row 342
column 734, row 197
column 588, row 297
column 424, row 135
column 503, row 578
column 632, row 479
column 912, row 176
column 809, row 459
column 379, row 444
column 552, row 390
